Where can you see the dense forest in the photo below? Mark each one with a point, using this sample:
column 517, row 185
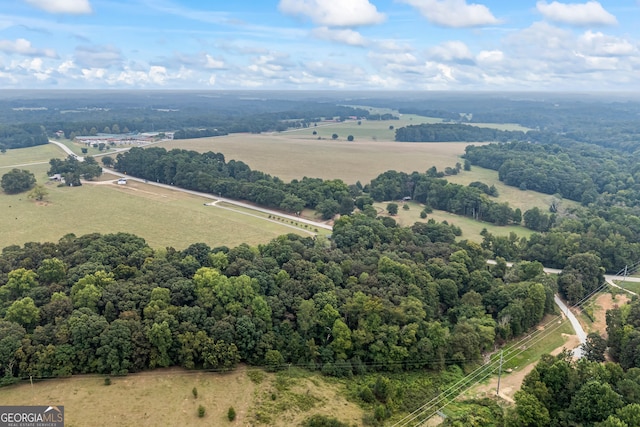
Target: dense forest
column 377, row 297
column 446, row 132
column 21, row 136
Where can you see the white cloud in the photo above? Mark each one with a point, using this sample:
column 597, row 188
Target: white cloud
column 76, row 7
column 599, row 44
column 213, row 63
column 454, row 51
column 344, row 13
column 66, row 66
column 454, row 13
column 589, row 13
column 24, row 47
column 489, row 57
column 346, row 36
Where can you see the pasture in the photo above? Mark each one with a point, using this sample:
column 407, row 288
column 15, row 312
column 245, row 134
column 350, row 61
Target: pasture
column 164, row 397
column 470, row 228
column 162, row 217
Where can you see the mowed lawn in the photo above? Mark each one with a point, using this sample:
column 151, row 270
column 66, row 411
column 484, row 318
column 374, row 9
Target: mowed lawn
column 28, row 156
column 162, row 217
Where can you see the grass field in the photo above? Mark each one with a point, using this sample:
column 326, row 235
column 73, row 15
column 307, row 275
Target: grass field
column 632, row 286
column 470, row 228
column 28, row 156
column 558, row 329
column 163, row 397
column 162, row 217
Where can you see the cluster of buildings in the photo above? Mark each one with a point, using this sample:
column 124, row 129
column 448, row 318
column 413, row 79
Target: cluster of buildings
column 119, row 139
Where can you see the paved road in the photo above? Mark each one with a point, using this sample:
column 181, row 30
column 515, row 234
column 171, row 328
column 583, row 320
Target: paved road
column 205, row 195
column 582, row 335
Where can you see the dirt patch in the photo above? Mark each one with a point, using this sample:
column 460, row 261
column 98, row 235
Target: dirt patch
column 605, row 302
column 511, row 382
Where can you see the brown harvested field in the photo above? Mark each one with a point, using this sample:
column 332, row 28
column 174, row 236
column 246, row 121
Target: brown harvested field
column 164, row 398
column 288, row 156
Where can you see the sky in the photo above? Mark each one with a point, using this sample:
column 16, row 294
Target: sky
column 415, row 45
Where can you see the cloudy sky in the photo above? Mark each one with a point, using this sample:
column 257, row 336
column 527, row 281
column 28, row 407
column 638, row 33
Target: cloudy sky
column 321, row 44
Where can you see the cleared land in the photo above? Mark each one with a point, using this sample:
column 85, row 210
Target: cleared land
column 164, row 397
column 470, row 228
column 290, row 158
column 162, row 217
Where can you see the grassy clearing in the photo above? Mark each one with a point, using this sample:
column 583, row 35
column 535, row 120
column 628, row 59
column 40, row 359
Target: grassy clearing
column 162, row 217
column 554, row 337
column 27, row 156
column 632, row 286
column 514, row 196
column 164, row 397
column 470, row 228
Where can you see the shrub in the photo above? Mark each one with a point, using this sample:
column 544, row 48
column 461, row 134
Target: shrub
column 107, row 381
column 201, row 411
column 231, row 414
column 194, row 391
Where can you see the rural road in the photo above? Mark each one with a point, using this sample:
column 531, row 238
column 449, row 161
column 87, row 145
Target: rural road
column 582, row 335
column 204, row 195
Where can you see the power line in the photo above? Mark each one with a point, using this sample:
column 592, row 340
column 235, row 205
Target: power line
column 443, row 399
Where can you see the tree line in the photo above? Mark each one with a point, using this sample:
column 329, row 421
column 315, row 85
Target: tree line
column 448, row 132
column 21, row 136
column 211, row 173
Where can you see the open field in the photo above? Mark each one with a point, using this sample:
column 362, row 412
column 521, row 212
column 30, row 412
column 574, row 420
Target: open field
column 514, row 196
column 470, row 228
column 290, row 158
column 163, row 397
column 25, row 156
column 162, row 217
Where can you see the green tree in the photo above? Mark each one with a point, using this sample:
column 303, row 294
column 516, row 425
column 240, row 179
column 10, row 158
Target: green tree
column 594, row 402
column 107, row 161
column 38, row 192
column 594, row 347
column 334, row 136
column 17, row 181
column 392, row 208
column 52, row 270
column 23, row 312
column 20, row 282
column 350, row 138
column 529, row 412
column 160, row 338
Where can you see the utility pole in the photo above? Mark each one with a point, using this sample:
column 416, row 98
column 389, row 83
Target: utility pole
column 499, row 374
column 625, row 273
